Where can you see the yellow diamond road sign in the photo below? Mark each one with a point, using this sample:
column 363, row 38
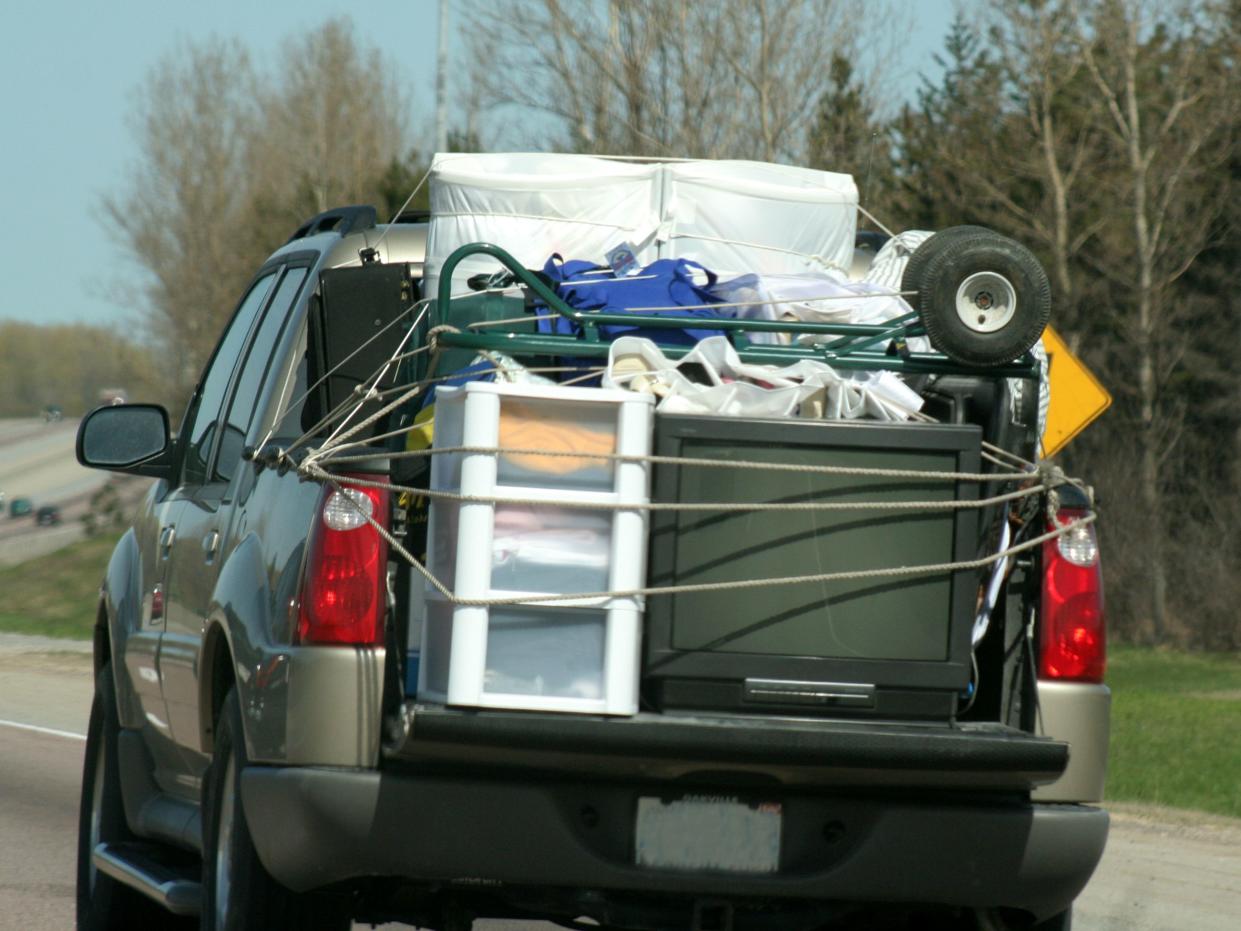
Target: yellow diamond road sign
column 1077, row 398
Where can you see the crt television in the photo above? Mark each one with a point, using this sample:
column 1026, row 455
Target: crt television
column 890, row 647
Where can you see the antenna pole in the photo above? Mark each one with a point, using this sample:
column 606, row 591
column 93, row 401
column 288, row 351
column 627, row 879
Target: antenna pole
column 441, row 77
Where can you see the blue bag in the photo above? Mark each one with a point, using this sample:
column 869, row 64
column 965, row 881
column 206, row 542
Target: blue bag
column 663, row 283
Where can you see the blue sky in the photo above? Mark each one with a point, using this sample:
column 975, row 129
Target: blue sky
column 67, row 74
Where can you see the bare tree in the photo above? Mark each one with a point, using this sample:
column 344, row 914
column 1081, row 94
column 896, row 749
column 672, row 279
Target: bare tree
column 1097, row 131
column 1012, row 139
column 334, row 118
column 230, row 162
column 697, row 78
column 179, row 209
column 1168, row 111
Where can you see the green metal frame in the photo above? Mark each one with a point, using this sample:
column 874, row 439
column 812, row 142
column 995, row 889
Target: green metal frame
column 853, row 348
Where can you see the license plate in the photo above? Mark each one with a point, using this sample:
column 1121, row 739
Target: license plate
column 708, row 832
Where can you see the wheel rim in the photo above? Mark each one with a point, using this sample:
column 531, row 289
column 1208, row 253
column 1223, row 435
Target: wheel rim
column 96, row 814
column 224, row 846
column 986, row 302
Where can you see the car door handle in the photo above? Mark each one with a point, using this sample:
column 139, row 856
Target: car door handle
column 211, row 543
column 166, row 536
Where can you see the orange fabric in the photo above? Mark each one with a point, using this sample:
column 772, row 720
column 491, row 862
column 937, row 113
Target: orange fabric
column 525, row 425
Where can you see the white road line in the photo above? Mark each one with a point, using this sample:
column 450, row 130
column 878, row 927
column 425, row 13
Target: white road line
column 42, row 730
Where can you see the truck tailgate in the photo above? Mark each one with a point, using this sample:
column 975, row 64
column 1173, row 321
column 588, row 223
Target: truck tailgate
column 793, row 751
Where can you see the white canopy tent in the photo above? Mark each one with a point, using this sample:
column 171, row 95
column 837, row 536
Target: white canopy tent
column 734, row 217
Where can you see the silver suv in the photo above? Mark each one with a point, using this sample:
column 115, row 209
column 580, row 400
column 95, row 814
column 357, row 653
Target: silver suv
column 259, row 755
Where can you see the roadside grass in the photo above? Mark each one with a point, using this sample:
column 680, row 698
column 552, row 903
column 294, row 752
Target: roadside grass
column 1176, row 718
column 55, row 595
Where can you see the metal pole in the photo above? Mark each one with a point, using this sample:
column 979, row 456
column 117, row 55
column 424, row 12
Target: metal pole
column 441, row 77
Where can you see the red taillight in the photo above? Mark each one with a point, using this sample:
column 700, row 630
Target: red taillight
column 1072, row 637
column 344, row 591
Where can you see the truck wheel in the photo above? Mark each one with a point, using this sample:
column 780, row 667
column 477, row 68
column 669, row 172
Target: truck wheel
column 238, row 892
column 984, row 299
column 915, row 268
column 102, row 902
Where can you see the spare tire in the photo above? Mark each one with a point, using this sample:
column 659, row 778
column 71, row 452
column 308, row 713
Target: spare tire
column 933, row 245
column 984, row 299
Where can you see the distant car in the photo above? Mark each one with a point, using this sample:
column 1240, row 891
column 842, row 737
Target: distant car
column 113, row 396
column 47, row 516
column 20, row 507
column 52, row 413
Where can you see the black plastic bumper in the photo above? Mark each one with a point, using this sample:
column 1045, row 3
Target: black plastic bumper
column 313, row 827
column 790, row 751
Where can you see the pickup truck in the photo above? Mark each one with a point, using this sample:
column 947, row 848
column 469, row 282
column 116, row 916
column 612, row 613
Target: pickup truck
column 260, row 754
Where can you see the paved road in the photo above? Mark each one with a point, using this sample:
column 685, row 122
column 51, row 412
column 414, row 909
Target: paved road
column 1163, row 870
column 44, row 706
column 37, row 462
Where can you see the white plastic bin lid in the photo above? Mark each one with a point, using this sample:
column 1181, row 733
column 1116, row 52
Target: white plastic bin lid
column 534, row 204
column 734, row 217
column 740, row 217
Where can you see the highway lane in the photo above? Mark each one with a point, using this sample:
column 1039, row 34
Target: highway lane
column 39, row 778
column 40, row 782
column 37, row 462
column 1163, row 870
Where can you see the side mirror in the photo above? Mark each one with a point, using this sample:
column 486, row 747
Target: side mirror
column 131, row 438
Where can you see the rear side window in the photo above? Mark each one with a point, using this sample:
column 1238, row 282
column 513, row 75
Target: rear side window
column 250, row 381
column 292, row 411
column 202, row 427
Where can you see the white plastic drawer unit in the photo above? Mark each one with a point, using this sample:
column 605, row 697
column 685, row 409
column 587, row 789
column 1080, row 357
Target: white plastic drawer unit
column 569, row 535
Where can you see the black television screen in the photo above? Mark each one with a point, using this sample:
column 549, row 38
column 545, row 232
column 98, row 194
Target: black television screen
column 876, row 638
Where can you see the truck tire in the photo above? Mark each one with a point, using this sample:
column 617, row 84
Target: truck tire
column 103, row 903
column 238, row 892
column 991, row 920
column 984, row 299
column 915, row 268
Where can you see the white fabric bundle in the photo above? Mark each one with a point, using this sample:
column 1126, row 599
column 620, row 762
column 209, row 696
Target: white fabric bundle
column 806, row 388
column 810, row 298
column 734, row 217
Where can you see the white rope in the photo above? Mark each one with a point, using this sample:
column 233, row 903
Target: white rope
column 492, row 214
column 312, row 469
column 760, row 301
column 758, row 245
column 821, row 577
column 310, row 389
column 527, row 318
column 315, row 472
column 401, row 210
column 873, row 219
column 408, row 393
column 645, row 158
column 743, row 464
column 372, row 384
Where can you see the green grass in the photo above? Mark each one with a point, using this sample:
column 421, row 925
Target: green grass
column 1176, row 729
column 55, row 595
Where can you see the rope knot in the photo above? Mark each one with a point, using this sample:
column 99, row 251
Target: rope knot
column 435, row 331
column 1051, row 474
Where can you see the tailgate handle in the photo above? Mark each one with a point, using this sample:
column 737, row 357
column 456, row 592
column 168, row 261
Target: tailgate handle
column 830, row 694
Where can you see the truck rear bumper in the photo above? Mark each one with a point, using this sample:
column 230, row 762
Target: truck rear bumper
column 314, row 827
column 815, row 753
